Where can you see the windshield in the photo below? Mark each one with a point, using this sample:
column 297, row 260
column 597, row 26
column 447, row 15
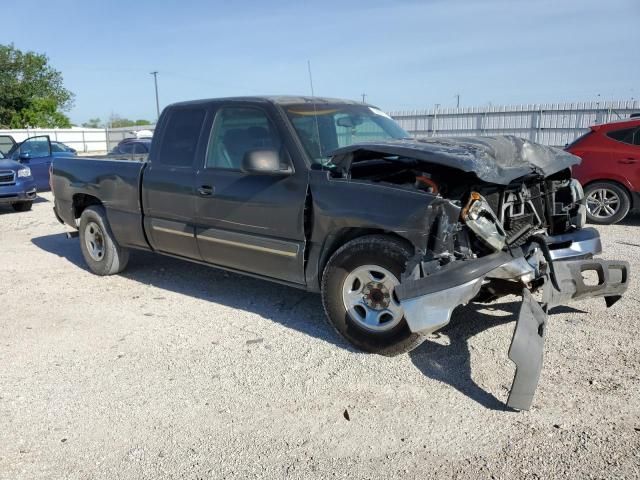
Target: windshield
column 330, row 126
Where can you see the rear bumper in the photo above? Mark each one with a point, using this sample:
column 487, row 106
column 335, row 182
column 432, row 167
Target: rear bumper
column 429, row 301
column 21, row 191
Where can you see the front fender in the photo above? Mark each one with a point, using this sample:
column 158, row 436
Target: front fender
column 342, row 209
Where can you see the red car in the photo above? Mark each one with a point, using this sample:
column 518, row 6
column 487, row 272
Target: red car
column 610, row 169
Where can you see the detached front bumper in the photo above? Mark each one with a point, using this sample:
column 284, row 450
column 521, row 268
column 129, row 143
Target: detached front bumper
column 584, row 243
column 429, row 301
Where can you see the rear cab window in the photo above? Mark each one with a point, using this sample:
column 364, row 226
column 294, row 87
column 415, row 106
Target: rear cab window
column 179, row 141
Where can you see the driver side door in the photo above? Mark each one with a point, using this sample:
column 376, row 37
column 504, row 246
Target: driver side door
column 248, row 221
column 35, row 153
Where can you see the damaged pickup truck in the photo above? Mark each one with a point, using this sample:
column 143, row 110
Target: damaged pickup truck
column 333, row 196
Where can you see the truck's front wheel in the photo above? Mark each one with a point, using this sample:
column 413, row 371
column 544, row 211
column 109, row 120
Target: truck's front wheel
column 100, row 250
column 359, row 299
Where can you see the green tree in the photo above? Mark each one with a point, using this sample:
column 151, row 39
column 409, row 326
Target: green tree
column 31, row 91
column 116, row 121
column 93, row 123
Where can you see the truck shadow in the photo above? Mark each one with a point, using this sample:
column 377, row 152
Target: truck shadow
column 302, row 311
column 451, row 363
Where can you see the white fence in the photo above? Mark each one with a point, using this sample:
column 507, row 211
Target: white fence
column 551, row 124
column 84, row 140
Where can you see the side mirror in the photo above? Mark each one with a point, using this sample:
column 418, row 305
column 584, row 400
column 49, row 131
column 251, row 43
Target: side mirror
column 24, row 156
column 264, row 162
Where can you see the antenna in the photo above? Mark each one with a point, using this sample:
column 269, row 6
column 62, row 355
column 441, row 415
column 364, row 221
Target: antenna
column 315, row 109
column 155, row 81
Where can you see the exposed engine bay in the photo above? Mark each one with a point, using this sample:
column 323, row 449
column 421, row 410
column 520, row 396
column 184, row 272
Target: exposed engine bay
column 492, row 217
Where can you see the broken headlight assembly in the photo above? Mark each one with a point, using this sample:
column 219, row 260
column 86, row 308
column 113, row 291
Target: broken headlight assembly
column 482, row 221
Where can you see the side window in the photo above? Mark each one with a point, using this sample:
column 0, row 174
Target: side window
column 126, row 148
column 35, row 147
column 624, row 136
column 353, row 128
column 140, row 148
column 6, row 144
column 636, row 140
column 180, row 139
column 236, row 131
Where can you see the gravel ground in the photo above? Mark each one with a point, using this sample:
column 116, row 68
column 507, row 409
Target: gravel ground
column 175, row 370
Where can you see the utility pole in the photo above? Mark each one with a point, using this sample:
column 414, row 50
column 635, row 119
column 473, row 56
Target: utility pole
column 155, row 81
column 364, row 98
column 457, row 95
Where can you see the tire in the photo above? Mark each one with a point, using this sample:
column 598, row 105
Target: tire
column 392, row 336
column 22, row 206
column 607, row 202
column 100, row 250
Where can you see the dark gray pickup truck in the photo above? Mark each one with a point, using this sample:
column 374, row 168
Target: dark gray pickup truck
column 333, row 196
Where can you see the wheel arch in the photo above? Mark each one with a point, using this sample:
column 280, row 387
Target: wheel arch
column 345, row 235
column 81, row 201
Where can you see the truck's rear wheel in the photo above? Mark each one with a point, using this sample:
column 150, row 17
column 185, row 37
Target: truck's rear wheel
column 100, row 250
column 359, row 299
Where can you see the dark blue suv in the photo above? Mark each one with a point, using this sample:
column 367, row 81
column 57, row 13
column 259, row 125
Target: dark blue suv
column 22, row 176
column 36, row 153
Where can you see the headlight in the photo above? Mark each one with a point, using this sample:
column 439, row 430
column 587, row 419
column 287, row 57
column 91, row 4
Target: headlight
column 24, row 172
column 482, row 221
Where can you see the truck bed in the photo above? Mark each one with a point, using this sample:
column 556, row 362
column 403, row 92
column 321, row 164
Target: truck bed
column 115, row 182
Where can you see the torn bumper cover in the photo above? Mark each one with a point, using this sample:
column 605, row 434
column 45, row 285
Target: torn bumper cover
column 429, row 301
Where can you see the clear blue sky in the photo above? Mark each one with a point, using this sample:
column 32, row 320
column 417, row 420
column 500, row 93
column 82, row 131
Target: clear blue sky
column 402, row 54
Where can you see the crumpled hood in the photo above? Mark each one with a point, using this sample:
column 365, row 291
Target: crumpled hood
column 498, row 160
column 8, row 164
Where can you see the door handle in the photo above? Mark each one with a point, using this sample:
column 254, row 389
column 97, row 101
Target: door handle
column 205, row 190
column 628, row 161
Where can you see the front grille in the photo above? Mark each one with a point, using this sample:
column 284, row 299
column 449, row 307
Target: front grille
column 7, row 177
